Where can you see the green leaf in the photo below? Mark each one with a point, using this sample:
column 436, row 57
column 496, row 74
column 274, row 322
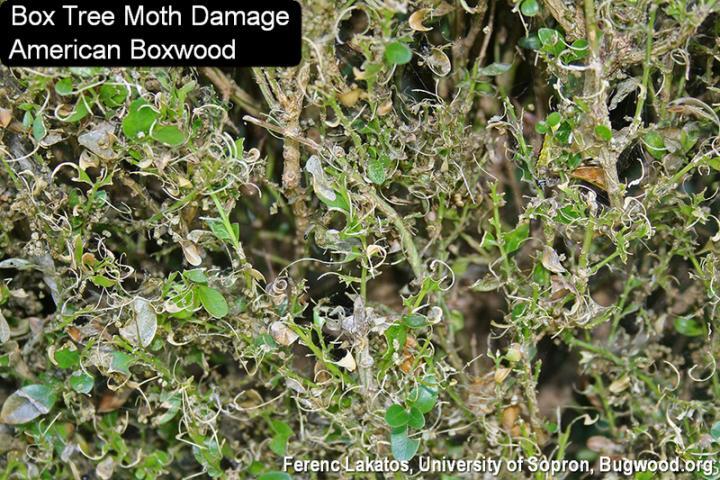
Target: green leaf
column 531, row 42
column 139, row 119
column 281, row 428
column 714, row 163
column 218, row 228
column 515, row 238
column 396, row 336
column 102, row 281
column 494, row 69
column 27, row 404
column 397, row 53
column 212, row 301
column 64, row 86
column 415, row 321
column 548, row 36
column 183, row 92
column 274, row 476
column 120, row 363
column 655, row 145
column 279, row 442
column 396, row 416
column 113, row 96
column 67, row 358
column 81, row 382
column 81, row 110
column 38, row 128
column 169, row 135
column 554, row 119
column 564, row 133
column 403, row 448
column 417, row 419
column 690, row 327
column 424, row 396
column 376, row 171
column 715, row 432
column 580, row 48
column 209, row 456
column 278, row 445
column 603, row 132
column 196, row 276
column 529, row 8
column 552, row 41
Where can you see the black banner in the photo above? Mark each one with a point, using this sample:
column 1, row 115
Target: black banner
column 150, row 33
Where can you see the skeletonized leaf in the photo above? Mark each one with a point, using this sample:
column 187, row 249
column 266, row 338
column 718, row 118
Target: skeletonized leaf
column 100, row 140
column 489, row 283
column 282, row 334
column 18, row 263
column 439, row 62
column 551, row 260
column 320, row 184
column 106, row 468
column 141, row 330
column 4, row 329
column 27, row 404
column 494, row 69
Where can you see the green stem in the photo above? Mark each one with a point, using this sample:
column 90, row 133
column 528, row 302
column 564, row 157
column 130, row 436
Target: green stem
column 406, row 238
column 646, row 67
column 498, row 230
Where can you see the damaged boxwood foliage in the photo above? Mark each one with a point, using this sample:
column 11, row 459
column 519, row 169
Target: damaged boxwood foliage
column 456, row 229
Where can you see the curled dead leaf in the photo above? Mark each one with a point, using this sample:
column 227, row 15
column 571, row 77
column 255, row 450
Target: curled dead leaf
column 385, row 108
column 5, row 117
column 112, row 400
column 510, row 416
column 351, row 97
column 593, row 175
column 406, row 365
column 88, row 259
column 192, row 253
column 88, row 160
column 282, row 334
column 552, row 261
column 501, row 374
column 417, row 18
column 347, row 362
column 619, row 385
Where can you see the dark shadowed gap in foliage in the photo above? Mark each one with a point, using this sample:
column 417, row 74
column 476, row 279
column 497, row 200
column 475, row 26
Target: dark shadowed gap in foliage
column 21, row 228
column 621, row 116
column 632, row 165
column 631, row 323
column 606, row 287
column 479, row 311
column 355, row 22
